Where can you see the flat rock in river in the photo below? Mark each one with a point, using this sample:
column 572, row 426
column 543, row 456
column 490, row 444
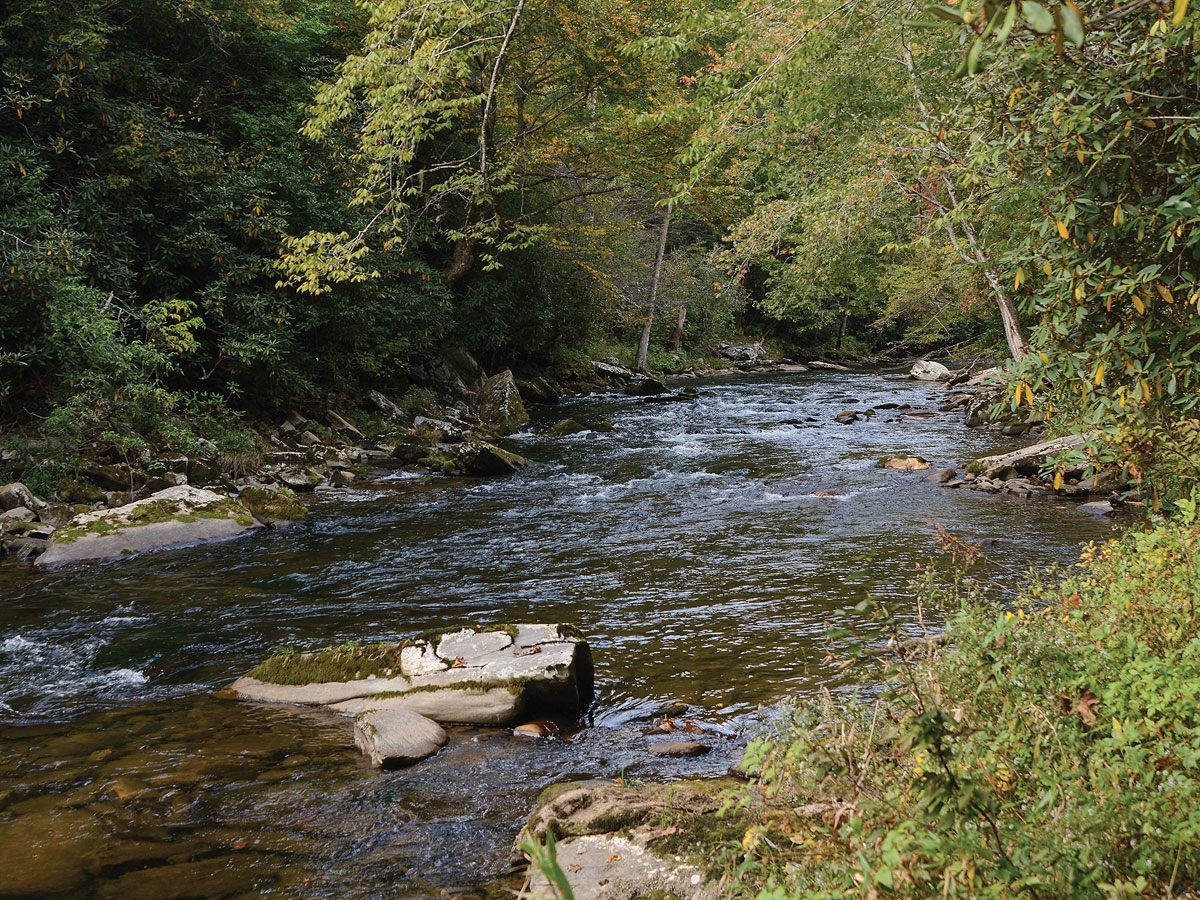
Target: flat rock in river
column 475, row 676
column 175, row 517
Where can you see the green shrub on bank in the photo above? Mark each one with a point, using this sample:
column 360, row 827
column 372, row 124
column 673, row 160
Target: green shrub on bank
column 1053, row 751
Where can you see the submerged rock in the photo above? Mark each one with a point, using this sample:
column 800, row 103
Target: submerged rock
column 176, row 517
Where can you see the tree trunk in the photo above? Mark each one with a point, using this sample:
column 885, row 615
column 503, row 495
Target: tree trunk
column 677, row 337
column 975, row 254
column 842, row 331
column 644, row 343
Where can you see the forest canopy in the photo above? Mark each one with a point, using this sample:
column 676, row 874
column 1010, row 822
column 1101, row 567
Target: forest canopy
column 223, row 205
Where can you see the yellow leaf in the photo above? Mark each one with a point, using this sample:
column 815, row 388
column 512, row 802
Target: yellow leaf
column 1099, row 374
column 1138, row 304
column 1047, row 268
column 1062, row 231
column 1018, row 278
column 1180, row 11
column 1165, row 292
column 1045, row 358
column 1079, row 291
column 1079, row 155
column 1118, row 216
column 1058, row 480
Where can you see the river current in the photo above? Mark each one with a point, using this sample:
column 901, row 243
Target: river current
column 704, row 547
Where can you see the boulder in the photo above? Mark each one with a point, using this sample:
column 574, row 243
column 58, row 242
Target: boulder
column 393, row 738
column 612, row 371
column 1100, row 508
column 539, row 390
column 318, row 693
column 473, row 676
column 439, row 431
column 484, row 459
column 941, row 476
column 928, row 370
column 450, row 705
column 500, row 404
column 380, row 403
column 343, row 426
column 678, row 749
column 274, row 506
column 906, row 463
column 740, row 352
column 18, row 515
column 16, row 495
column 828, row 366
column 176, row 517
column 622, row 841
column 846, row 417
column 1026, row 461
column 644, row 386
column 458, row 370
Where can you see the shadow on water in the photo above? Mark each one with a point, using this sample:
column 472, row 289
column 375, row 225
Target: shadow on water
column 705, row 547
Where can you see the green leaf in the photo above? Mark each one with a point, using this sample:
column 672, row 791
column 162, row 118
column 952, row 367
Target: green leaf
column 1072, row 26
column 973, row 56
column 1037, row 16
column 1010, row 17
column 947, row 13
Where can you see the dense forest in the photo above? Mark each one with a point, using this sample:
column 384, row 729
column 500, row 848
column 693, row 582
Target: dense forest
column 219, row 207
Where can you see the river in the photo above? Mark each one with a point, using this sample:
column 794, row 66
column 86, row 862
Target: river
column 704, row 548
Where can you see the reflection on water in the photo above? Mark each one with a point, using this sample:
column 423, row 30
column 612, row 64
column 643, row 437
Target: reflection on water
column 704, row 547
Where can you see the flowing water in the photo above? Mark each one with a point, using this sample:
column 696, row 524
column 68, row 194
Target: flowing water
column 704, row 547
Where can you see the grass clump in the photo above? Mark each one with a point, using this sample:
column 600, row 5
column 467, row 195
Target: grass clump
column 1053, row 751
column 347, row 662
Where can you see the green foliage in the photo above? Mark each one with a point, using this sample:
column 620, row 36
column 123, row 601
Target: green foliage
column 1096, row 142
column 1052, row 750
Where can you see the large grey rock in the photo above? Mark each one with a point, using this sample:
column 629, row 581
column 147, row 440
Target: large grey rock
column 928, row 370
column 484, row 459
column 500, row 404
column 379, row 402
column 16, row 495
column 458, row 370
column 740, row 352
column 343, row 427
column 393, row 738
column 1027, row 460
column 471, row 676
column 612, row 371
column 176, row 517
column 644, row 386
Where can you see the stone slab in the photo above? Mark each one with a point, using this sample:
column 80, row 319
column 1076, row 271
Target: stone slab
column 319, row 694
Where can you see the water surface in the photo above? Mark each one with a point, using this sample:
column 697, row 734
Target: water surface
column 704, row 547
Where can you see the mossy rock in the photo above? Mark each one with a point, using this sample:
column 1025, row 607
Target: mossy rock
column 348, row 662
column 272, row 504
